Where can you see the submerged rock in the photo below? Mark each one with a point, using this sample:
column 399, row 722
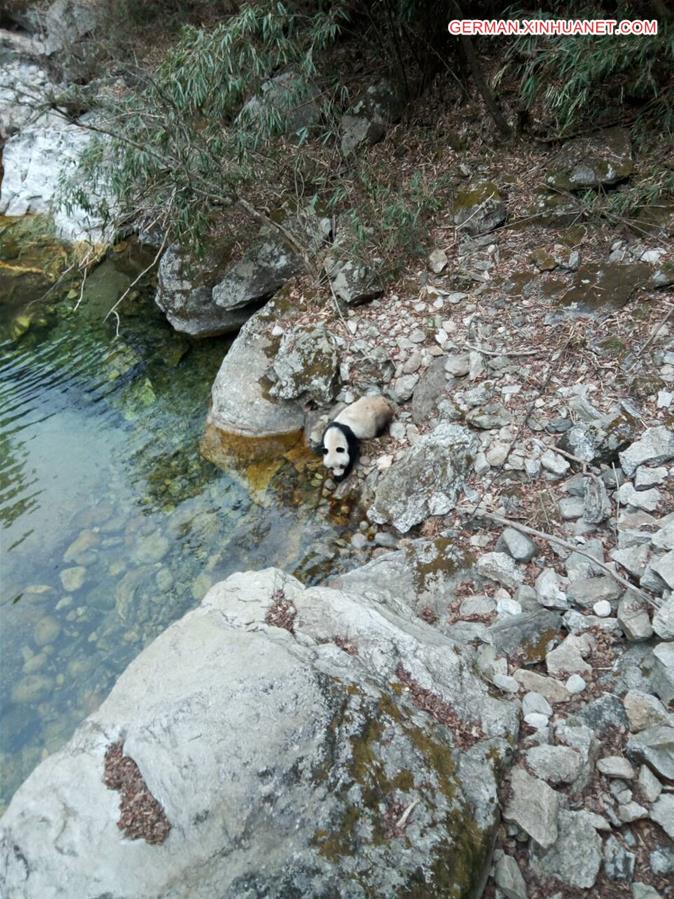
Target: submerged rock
column 354, row 782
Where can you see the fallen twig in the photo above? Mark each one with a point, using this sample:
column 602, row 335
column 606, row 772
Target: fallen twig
column 532, row 532
column 113, row 310
column 477, row 349
column 650, row 340
column 402, row 820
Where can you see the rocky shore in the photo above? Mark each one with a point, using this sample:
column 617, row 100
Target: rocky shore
column 481, row 704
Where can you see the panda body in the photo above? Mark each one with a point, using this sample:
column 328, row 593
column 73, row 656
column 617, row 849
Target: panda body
column 366, row 418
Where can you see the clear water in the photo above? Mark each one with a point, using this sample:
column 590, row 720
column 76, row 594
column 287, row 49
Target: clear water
column 111, row 524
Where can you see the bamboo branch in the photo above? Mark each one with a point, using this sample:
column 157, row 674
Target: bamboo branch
column 550, row 538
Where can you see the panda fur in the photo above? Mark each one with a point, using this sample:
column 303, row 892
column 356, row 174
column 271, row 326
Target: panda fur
column 366, row 418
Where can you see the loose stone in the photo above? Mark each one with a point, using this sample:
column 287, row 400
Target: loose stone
column 533, row 806
column 616, row 766
column 575, row 684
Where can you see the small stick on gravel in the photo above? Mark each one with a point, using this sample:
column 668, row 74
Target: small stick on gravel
column 478, row 349
column 532, row 532
column 573, row 458
column 650, row 340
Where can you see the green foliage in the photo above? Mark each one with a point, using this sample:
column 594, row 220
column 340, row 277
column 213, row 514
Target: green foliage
column 177, row 148
column 568, row 81
column 390, row 216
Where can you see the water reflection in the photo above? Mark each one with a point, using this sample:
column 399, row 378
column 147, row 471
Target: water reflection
column 112, row 525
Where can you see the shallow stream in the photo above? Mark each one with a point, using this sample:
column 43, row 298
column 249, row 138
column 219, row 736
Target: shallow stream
column 111, row 524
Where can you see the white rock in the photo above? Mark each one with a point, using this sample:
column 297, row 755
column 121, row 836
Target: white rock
column 656, row 445
column 602, row 608
column 648, row 500
column 34, row 161
column 575, row 684
column 534, row 702
column 554, row 463
column 536, row 720
column 548, row 590
column 649, row 477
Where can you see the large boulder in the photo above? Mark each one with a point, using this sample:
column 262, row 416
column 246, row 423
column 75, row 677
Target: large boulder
column 306, row 366
column 216, row 295
column 276, row 742
column 424, row 574
column 270, row 262
column 23, row 85
column 261, row 272
column 288, row 99
column 185, row 294
column 427, row 480
column 479, row 208
column 596, row 161
column 367, row 121
column 352, row 281
column 35, row 160
column 245, row 420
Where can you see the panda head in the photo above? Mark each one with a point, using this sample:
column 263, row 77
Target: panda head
column 340, row 449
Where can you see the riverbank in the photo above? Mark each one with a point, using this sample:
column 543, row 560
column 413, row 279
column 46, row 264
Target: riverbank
column 469, row 691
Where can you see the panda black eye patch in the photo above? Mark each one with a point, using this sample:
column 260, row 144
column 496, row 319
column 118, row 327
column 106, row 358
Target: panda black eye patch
column 324, row 451
column 340, row 449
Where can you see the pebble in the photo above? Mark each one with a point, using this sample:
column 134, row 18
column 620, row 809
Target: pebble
column 616, row 766
column 535, row 703
column 46, row 630
column 602, row 608
column 648, row 786
column 506, row 683
column 536, row 720
column 554, row 463
column 73, row 578
column 575, row 684
column 359, row 541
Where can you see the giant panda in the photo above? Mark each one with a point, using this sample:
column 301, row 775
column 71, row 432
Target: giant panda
column 367, row 417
